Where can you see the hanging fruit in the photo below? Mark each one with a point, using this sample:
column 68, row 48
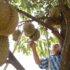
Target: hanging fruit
column 8, row 18
column 29, row 29
column 54, row 12
column 16, row 35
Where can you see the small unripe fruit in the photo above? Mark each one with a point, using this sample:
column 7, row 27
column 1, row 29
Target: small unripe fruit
column 16, row 35
column 28, row 29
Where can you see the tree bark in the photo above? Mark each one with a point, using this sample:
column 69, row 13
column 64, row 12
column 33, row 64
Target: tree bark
column 65, row 64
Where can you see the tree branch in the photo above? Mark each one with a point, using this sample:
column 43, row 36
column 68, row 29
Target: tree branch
column 38, row 19
column 14, row 62
column 50, row 21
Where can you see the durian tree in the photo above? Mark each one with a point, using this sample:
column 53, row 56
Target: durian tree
column 49, row 14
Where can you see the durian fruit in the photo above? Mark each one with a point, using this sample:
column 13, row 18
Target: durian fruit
column 54, row 12
column 8, row 18
column 16, row 35
column 4, row 49
column 4, row 15
column 36, row 35
column 28, row 29
column 13, row 20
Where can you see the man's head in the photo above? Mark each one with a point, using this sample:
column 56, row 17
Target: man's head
column 56, row 49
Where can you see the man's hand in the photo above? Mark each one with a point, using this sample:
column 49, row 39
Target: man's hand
column 32, row 44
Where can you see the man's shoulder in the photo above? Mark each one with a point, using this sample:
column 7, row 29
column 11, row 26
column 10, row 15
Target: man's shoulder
column 52, row 56
column 55, row 55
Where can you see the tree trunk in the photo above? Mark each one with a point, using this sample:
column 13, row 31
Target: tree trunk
column 65, row 64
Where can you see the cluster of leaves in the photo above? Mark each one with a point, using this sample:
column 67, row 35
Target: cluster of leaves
column 37, row 7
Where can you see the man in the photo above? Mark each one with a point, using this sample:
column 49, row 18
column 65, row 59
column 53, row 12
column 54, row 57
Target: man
column 55, row 59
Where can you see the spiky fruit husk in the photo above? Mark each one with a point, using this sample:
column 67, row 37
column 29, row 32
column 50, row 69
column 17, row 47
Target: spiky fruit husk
column 4, row 15
column 13, row 20
column 8, row 18
column 28, row 29
column 54, row 12
column 16, row 35
column 4, row 49
column 36, row 35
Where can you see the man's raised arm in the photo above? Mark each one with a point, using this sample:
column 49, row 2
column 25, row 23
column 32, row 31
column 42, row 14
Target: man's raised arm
column 36, row 57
